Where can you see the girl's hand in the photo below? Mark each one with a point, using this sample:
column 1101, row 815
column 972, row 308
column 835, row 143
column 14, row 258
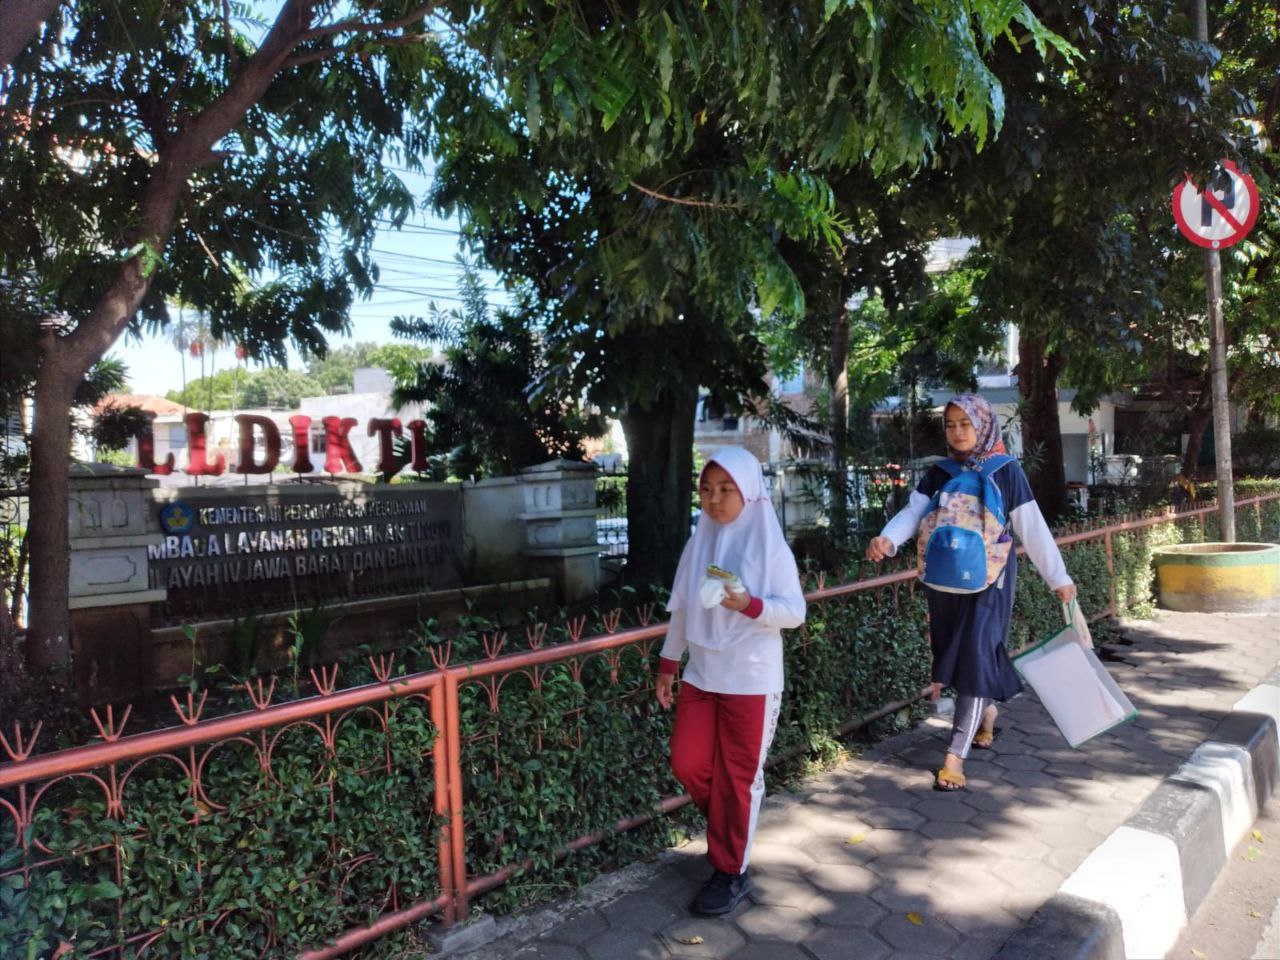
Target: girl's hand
column 1066, row 594
column 736, row 601
column 662, row 690
column 879, row 548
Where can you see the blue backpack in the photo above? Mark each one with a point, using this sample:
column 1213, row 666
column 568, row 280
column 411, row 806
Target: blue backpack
column 963, row 543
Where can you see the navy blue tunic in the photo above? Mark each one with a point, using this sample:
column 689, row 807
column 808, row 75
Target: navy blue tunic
column 967, row 631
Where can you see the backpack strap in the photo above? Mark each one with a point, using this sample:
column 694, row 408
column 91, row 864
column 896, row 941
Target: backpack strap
column 950, row 467
column 994, row 463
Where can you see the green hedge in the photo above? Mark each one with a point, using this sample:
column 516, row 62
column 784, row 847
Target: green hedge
column 547, row 757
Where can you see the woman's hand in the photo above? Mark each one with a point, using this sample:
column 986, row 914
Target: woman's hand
column 879, row 548
column 1066, row 594
column 736, row 601
column 662, row 689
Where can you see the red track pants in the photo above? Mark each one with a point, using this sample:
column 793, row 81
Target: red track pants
column 718, row 748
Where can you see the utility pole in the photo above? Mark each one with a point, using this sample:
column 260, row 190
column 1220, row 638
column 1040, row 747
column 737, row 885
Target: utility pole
column 1218, row 356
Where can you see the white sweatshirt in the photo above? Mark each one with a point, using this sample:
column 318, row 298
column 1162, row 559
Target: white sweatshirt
column 752, row 665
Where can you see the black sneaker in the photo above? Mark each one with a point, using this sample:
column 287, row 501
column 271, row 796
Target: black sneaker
column 721, row 893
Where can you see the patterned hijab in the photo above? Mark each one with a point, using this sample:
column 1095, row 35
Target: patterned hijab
column 985, row 423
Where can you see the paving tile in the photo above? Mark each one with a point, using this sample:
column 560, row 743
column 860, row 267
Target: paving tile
column 781, row 889
column 769, row 951
column 787, row 924
column 930, row 938
column 830, row 878
column 951, row 830
column 897, row 818
column 719, row 937
column 548, row 951
column 944, row 807
column 840, row 909
column 580, row 928
column 626, row 945
column 976, row 948
column 769, row 855
column 646, row 912
column 841, row 943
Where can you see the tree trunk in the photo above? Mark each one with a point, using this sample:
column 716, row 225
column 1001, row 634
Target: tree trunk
column 22, row 22
column 838, row 379
column 1197, row 422
column 48, row 638
column 1041, row 431
column 659, row 485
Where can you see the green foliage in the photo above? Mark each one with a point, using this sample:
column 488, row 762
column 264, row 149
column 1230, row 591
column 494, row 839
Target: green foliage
column 274, row 868
column 237, row 389
column 484, row 407
column 549, row 754
column 334, row 372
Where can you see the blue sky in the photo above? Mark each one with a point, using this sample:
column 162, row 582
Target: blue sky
column 417, row 265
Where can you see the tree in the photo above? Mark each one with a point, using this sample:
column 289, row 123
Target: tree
column 156, row 153
column 335, row 371
column 638, row 180
column 1078, row 269
column 273, row 388
column 479, row 403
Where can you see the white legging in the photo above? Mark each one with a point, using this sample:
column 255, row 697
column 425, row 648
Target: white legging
column 968, row 719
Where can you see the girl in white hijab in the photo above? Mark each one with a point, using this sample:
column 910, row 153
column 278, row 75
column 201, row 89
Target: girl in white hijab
column 736, row 589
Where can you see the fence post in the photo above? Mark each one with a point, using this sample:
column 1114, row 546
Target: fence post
column 444, row 777
column 1111, row 571
column 457, row 829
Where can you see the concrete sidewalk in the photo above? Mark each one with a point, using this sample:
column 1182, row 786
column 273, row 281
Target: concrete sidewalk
column 868, row 861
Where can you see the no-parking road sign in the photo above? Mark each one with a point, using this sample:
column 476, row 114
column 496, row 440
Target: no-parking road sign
column 1220, row 215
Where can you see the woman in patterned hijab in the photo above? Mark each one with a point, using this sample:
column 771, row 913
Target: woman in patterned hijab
column 986, row 426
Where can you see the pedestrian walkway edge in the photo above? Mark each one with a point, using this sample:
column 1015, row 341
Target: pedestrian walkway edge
column 1132, row 895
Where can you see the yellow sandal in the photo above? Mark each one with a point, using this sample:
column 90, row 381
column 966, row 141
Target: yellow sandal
column 946, row 781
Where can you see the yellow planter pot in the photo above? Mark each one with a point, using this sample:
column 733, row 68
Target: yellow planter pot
column 1219, row 577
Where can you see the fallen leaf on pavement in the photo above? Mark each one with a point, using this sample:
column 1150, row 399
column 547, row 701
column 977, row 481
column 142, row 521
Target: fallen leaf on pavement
column 856, row 838
column 1252, row 854
column 916, row 919
column 1255, row 914
column 690, row 941
column 1199, row 954
column 1257, row 835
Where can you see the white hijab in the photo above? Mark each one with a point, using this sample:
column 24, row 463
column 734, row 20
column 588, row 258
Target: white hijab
column 752, row 546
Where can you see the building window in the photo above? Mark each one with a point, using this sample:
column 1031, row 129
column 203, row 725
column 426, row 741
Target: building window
column 317, row 440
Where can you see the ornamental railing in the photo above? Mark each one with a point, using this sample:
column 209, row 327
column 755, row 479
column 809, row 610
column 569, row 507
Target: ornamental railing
column 318, row 825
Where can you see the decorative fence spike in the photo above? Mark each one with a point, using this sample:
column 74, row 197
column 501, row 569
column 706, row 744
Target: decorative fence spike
column 327, row 681
column 575, row 627
column 440, row 653
column 536, row 635
column 381, row 666
column 110, row 731
column 261, row 699
column 493, row 644
column 20, row 750
column 611, row 620
column 644, row 613
column 191, row 715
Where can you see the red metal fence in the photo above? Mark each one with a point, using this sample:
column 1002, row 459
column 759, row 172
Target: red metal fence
column 357, row 736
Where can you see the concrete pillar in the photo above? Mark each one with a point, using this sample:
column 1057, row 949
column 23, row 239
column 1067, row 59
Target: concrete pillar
column 560, row 526
column 110, row 592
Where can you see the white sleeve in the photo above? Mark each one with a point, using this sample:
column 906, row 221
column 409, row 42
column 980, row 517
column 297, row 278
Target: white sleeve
column 906, row 521
column 1028, row 523
column 677, row 641
column 785, row 610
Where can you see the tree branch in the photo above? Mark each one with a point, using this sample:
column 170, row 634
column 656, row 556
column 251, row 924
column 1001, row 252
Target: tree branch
column 364, row 26
column 686, row 201
column 314, row 56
